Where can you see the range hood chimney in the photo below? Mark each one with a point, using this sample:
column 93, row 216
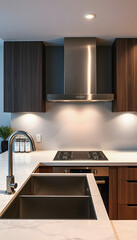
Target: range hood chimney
column 80, row 83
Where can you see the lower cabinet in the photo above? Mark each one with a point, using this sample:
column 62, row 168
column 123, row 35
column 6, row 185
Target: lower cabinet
column 113, row 193
column 127, row 212
column 123, row 193
column 127, row 193
column 44, row 169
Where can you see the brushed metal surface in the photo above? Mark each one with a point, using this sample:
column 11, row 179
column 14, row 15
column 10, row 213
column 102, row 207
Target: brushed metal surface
column 51, row 207
column 80, row 98
column 80, row 65
column 52, row 197
column 10, row 178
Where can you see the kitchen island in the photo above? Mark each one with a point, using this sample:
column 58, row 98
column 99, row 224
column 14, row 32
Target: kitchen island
column 24, row 165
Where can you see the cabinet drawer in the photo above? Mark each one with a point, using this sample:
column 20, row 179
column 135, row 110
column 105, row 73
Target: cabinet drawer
column 127, row 173
column 127, row 192
column 126, row 212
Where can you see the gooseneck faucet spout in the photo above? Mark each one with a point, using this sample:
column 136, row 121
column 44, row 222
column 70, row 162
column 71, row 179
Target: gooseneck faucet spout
column 11, row 185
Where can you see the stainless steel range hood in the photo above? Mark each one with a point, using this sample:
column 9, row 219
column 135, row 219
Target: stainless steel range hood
column 80, row 83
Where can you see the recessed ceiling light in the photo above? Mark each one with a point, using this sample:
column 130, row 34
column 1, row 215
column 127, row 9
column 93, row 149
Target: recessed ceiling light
column 90, row 16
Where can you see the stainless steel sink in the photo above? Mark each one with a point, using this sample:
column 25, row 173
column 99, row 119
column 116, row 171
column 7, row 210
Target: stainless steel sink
column 56, row 185
column 52, row 197
column 50, row 207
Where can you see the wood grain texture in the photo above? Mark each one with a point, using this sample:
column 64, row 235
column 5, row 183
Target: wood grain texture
column 127, row 192
column 125, row 74
column 127, row 173
column 126, row 212
column 113, row 193
column 44, row 169
column 55, row 69
column 104, row 69
column 24, row 79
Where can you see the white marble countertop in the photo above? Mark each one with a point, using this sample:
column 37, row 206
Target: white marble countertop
column 115, row 158
column 24, row 164
column 125, row 229
column 56, row 230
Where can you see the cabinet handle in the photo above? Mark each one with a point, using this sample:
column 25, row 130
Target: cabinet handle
column 132, row 181
column 132, row 205
column 100, row 181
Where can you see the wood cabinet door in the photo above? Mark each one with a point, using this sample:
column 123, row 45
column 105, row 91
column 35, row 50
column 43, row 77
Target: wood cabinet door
column 127, row 173
column 125, row 74
column 127, row 212
column 24, row 81
column 44, row 169
column 127, row 192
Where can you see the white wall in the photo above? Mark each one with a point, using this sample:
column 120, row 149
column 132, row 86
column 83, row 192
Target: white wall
column 5, row 118
column 84, row 126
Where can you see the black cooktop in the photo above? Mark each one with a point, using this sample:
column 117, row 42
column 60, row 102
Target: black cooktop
column 80, row 155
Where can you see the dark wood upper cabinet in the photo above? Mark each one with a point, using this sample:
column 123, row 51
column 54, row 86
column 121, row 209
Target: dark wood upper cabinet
column 124, row 65
column 24, row 77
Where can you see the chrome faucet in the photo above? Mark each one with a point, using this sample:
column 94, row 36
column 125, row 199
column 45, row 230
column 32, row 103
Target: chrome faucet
column 11, row 185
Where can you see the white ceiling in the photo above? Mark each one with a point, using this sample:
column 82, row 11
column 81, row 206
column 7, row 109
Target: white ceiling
column 52, row 20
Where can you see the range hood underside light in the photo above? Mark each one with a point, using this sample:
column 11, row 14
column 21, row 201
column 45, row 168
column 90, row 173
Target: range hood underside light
column 80, row 98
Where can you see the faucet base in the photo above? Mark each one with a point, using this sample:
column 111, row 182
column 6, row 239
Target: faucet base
column 11, row 184
column 10, row 178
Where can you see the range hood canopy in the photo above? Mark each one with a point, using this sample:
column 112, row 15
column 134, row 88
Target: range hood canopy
column 80, row 83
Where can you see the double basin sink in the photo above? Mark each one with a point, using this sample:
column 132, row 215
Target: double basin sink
column 52, row 197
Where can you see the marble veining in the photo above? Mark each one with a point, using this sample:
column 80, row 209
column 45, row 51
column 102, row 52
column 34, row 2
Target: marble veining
column 25, row 163
column 59, row 230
